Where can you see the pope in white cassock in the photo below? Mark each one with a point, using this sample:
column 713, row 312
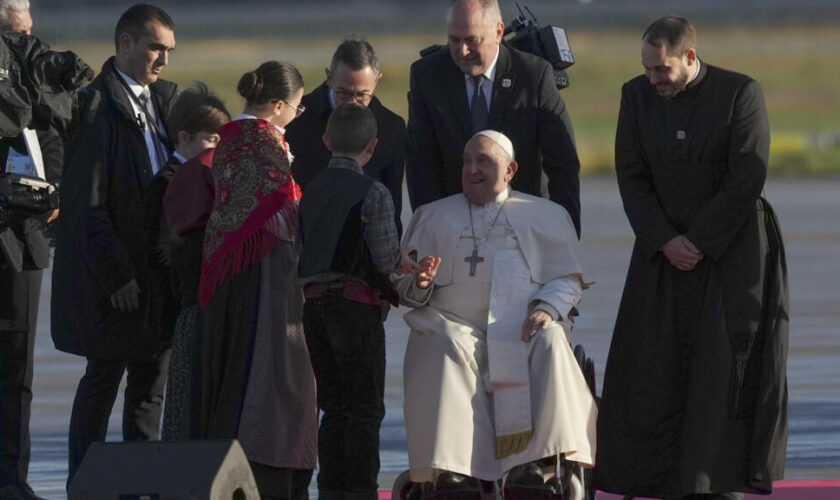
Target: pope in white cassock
column 491, row 382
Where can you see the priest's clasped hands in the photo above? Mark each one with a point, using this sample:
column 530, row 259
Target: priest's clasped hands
column 682, row 253
column 127, row 298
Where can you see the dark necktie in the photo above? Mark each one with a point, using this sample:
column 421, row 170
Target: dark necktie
column 478, row 107
column 151, row 123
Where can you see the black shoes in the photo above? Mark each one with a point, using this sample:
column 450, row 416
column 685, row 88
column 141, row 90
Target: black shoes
column 526, row 482
column 17, row 491
column 530, row 474
column 454, row 486
column 454, row 481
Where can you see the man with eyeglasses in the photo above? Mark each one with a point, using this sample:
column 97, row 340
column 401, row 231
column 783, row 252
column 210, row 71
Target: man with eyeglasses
column 352, row 76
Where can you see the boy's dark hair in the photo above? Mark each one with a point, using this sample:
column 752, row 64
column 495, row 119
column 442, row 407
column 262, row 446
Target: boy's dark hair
column 195, row 110
column 350, row 128
column 676, row 33
column 133, row 21
column 271, row 81
column 356, row 53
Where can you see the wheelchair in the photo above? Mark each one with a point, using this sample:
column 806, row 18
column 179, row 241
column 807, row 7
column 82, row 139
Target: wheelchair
column 566, row 481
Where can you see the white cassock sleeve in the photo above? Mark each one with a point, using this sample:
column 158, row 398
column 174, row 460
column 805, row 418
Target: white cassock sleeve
column 557, row 297
column 410, row 295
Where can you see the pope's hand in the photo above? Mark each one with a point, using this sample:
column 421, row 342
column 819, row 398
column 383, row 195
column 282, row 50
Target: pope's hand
column 535, row 322
column 426, row 271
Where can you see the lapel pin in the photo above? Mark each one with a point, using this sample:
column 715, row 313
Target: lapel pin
column 680, row 134
column 505, row 83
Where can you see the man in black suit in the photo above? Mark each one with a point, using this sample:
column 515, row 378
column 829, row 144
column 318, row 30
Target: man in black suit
column 101, row 279
column 516, row 96
column 352, row 76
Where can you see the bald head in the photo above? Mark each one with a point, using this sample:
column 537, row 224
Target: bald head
column 487, row 9
column 474, row 31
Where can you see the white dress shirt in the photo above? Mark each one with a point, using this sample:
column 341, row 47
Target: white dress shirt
column 486, row 84
column 138, row 89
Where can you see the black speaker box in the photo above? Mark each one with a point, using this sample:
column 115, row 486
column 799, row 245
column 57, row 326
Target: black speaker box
column 162, row 470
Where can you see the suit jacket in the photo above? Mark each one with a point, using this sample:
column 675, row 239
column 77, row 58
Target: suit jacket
column 102, row 239
column 311, row 155
column 525, row 106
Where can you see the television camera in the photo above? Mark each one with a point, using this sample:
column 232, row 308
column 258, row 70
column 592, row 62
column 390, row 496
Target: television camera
column 22, row 196
column 548, row 42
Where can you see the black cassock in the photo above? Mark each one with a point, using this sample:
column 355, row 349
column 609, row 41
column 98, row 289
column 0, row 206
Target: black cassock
column 695, row 394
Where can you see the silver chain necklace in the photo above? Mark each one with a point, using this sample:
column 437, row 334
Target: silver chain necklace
column 474, row 259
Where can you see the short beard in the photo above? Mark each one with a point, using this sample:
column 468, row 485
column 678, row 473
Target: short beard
column 679, row 84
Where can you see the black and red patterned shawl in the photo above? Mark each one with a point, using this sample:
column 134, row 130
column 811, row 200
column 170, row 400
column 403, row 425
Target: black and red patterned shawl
column 255, row 203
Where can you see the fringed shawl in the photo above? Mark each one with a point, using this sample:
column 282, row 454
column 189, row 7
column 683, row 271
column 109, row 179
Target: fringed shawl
column 255, row 204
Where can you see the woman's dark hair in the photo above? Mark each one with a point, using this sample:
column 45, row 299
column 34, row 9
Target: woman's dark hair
column 196, row 110
column 272, row 81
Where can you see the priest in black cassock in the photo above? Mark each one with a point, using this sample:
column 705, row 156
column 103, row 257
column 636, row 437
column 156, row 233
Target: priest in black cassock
column 695, row 396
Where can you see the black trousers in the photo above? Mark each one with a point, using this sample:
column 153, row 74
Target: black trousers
column 19, row 297
column 95, row 398
column 346, row 342
column 275, row 483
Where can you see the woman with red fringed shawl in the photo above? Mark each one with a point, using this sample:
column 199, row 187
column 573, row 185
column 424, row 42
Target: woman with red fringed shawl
column 256, row 381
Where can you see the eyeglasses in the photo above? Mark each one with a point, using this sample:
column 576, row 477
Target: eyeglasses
column 348, row 95
column 299, row 109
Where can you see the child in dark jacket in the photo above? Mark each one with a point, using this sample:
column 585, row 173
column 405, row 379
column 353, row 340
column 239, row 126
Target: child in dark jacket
column 194, row 120
column 350, row 246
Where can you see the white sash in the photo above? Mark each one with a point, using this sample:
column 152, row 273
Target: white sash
column 508, row 354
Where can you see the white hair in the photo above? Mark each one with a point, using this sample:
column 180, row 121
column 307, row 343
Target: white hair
column 6, row 5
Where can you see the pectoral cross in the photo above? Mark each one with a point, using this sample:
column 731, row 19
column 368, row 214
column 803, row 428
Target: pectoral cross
column 473, row 260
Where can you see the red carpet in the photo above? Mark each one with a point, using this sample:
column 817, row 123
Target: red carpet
column 783, row 490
